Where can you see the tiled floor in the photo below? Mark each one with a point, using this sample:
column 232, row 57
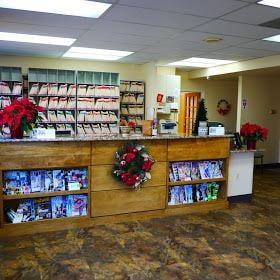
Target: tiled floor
column 239, row 243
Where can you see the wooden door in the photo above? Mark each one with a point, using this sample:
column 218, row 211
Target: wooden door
column 188, row 108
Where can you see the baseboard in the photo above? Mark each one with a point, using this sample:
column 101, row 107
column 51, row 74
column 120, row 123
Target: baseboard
column 268, row 165
column 240, row 198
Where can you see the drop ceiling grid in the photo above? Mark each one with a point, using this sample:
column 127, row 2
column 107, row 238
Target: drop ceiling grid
column 154, row 30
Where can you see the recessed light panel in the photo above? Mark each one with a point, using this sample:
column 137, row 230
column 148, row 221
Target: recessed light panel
column 95, row 54
column 201, row 62
column 272, row 3
column 80, row 8
column 275, row 38
column 36, row 39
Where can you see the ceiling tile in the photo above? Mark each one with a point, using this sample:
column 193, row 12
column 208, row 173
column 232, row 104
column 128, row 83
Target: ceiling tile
column 246, row 52
column 236, row 57
column 254, row 14
column 237, row 29
column 262, row 45
column 107, row 26
column 215, row 8
column 153, row 17
column 14, row 48
column 93, row 43
column 40, row 30
column 94, row 34
column 198, row 37
column 47, row 19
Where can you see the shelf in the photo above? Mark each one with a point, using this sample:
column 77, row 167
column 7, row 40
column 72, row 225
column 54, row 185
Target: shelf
column 91, row 96
column 179, row 183
column 56, row 122
column 98, row 122
column 43, row 194
column 137, row 92
column 75, row 218
column 196, row 203
column 54, row 95
column 10, row 94
column 132, row 114
column 97, row 109
column 132, row 103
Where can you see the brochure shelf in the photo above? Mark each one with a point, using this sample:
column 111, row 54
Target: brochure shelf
column 97, row 103
column 133, row 103
column 55, row 90
column 11, row 85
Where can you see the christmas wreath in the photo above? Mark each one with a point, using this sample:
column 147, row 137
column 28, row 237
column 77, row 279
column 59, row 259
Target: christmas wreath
column 133, row 165
column 223, row 107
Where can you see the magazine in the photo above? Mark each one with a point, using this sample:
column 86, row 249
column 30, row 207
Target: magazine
column 212, row 191
column 16, row 182
column 26, row 210
column 176, row 195
column 183, row 171
column 43, row 208
column 47, row 182
column 188, row 169
column 171, row 176
column 195, row 175
column 215, row 169
column 76, row 179
column 79, row 206
column 204, row 169
column 188, row 194
column 58, row 180
column 36, row 180
column 58, row 205
column 175, row 171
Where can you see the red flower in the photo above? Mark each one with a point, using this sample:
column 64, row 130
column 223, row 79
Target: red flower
column 129, row 179
column 253, row 132
column 131, row 124
column 130, row 157
column 21, row 113
column 147, row 165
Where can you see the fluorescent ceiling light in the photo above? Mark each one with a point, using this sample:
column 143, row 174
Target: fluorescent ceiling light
column 201, row 62
column 80, row 8
column 96, row 54
column 275, row 38
column 272, row 3
column 36, row 39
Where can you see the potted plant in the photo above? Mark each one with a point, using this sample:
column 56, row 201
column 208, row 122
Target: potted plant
column 251, row 133
column 20, row 116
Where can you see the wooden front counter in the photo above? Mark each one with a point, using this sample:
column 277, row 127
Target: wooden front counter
column 108, row 200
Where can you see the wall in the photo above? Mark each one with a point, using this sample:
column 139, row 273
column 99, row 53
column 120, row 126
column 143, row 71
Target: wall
column 127, row 71
column 263, row 95
column 213, row 91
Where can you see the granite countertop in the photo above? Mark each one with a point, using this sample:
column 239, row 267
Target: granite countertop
column 247, row 151
column 109, row 138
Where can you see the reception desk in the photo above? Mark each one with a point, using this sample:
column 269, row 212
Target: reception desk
column 108, row 199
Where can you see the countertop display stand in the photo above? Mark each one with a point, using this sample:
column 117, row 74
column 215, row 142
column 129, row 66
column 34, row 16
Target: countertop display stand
column 108, row 200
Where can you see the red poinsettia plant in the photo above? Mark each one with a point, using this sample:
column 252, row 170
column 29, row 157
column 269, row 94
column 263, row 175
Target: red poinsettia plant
column 253, row 132
column 20, row 116
column 133, row 165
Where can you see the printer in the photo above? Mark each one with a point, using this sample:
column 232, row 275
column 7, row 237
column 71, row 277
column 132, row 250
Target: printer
column 168, row 127
column 216, row 129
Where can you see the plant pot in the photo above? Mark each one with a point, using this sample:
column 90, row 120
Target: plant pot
column 251, row 145
column 125, row 130
column 16, row 133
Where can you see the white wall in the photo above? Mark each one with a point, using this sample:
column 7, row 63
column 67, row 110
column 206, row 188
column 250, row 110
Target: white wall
column 263, row 95
column 213, row 91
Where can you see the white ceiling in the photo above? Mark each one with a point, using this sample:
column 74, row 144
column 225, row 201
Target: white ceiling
column 156, row 30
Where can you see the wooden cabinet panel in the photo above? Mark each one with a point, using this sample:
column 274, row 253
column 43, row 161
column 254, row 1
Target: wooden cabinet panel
column 198, row 149
column 103, row 152
column 102, row 179
column 44, row 154
column 127, row 201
